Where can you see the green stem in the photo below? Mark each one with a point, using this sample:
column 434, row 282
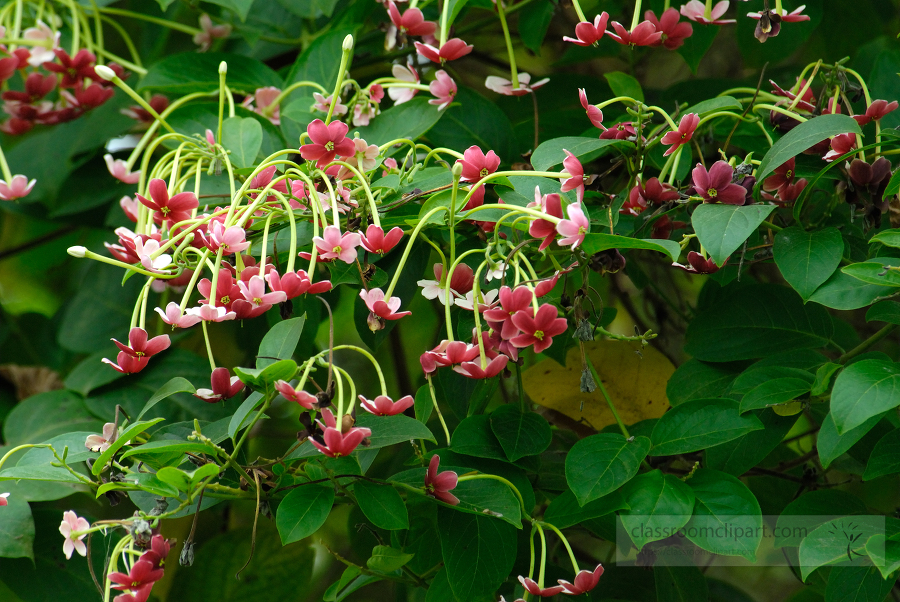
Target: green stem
column 346, row 54
column 862, row 347
column 637, row 15
column 514, row 74
column 437, row 408
column 609, row 402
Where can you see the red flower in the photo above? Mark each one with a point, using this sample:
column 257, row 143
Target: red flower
column 175, row 209
column 387, row 309
column 376, row 241
column 73, row 69
column 840, row 145
column 683, row 134
column 715, row 185
column 159, row 549
column 620, row 131
column 139, row 580
column 875, row 111
column 294, row 284
column 541, row 228
column 538, row 330
column 511, row 302
column 477, row 165
column 411, row 22
column 37, row 86
column 127, row 364
column 140, row 346
column 805, row 103
column 673, row 32
column 587, row 33
column 663, row 227
column 327, row 142
column 593, row 113
column 227, row 291
column 337, row 443
column 224, row 386
column 645, row 34
column 385, row 406
column 782, row 176
column 446, row 354
column 535, row 590
column 575, row 181
column 298, row 396
column 438, row 485
column 585, row 581
column 699, row 265
column 474, row 369
column 450, row 51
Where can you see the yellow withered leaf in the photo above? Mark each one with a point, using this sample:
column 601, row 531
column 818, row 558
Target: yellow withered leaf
column 637, row 385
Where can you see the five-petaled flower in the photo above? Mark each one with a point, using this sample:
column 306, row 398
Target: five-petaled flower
column 171, row 209
column 683, row 134
column 715, row 185
column 504, row 86
column 574, row 229
column 334, row 245
column 673, row 31
column 339, row 443
column 385, row 406
column 439, row 484
column 575, row 170
column 698, row 264
column 443, row 88
column 254, row 292
column 645, row 34
column 140, row 345
column 224, row 386
column 381, row 307
column 587, row 33
column 376, row 241
column 539, row 329
column 875, row 111
column 101, row 443
column 450, row 51
column 535, row 590
column 584, row 581
column 328, row 141
column 299, row 396
column 72, row 528
column 695, row 10
column 19, row 186
column 411, row 22
column 139, row 580
column 119, row 170
column 174, row 316
column 840, row 146
column 231, row 240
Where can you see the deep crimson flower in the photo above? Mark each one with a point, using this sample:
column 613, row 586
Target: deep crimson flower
column 8, row 67
column 127, row 364
column 451, row 50
column 159, row 550
column 575, row 181
column 477, row 165
column 806, row 102
column 593, row 113
column 139, row 579
column 411, row 22
column 299, row 396
column 584, row 581
column 328, row 141
column 385, row 406
column 574, row 229
column 769, row 24
column 337, row 443
column 686, row 128
column 535, row 590
column 645, row 34
column 786, row 194
column 439, row 484
column 376, row 241
column 644, row 193
column 782, row 176
column 88, row 98
column 697, row 264
column 550, row 204
column 387, row 309
column 474, row 370
column 224, row 386
column 715, row 185
column 157, row 102
column 512, row 301
column 19, row 186
column 140, row 346
column 620, row 131
column 37, row 86
column 587, row 33
column 175, row 209
column 294, row 284
column 695, row 10
column 227, row 291
column 875, row 111
column 538, row 330
column 443, row 88
column 840, row 145
column 673, row 32
column 73, row 69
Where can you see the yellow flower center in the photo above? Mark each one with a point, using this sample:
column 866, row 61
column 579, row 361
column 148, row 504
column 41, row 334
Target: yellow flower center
column 329, row 146
column 712, row 192
column 539, row 335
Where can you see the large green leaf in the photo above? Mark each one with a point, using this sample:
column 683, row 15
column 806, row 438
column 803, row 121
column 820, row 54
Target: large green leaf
column 807, row 259
column 564, row 511
column 478, row 552
column 775, row 392
column 180, row 74
column 303, row 511
column 843, row 291
column 838, row 541
column 875, row 271
column 600, row 464
column 756, row 321
column 386, row 430
column 727, row 519
column 243, row 137
column 857, row 584
column 381, row 504
column 520, row 433
column 45, row 415
column 16, row 529
column 700, row 380
column 474, row 437
column 478, row 121
column 810, row 510
column 623, row 84
column 801, row 138
column 280, row 342
column 678, row 580
column 740, row 455
column 830, row 444
column 239, row 7
column 91, row 374
column 601, row 242
column 408, row 120
column 660, row 506
column 884, row 311
column 176, row 385
column 551, row 153
column 699, row 424
column 722, row 229
column 862, row 390
column 885, row 458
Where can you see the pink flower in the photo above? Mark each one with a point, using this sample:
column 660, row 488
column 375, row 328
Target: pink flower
column 209, row 313
column 385, row 406
column 575, row 181
column 875, row 111
column 541, row 228
column 119, row 170
column 474, row 369
column 324, row 104
column 364, row 159
column 411, row 22
column 210, row 32
column 224, row 386
column 444, row 90
column 535, row 590
column 697, row 264
column 645, row 34
column 363, row 113
column 16, row 188
column 291, row 394
column 593, row 113
column 376, row 241
column 327, row 142
column 255, row 293
column 585, row 581
column 447, row 354
column 127, row 364
column 337, row 443
column 144, row 249
column 3, row 500
column 695, row 10
column 334, row 245
column 142, row 346
column 715, row 185
column 101, row 443
column 139, row 580
column 477, row 165
column 574, row 229
column 438, row 485
column 587, row 33
column 673, row 32
column 405, row 74
column 387, row 309
column 40, row 54
column 175, row 209
column 294, row 284
column 261, row 100
column 486, row 300
column 129, row 207
column 70, row 525
column 231, row 240
column 840, row 145
column 505, row 87
column 512, row 301
column 686, row 128
column 538, row 330
column 450, row 51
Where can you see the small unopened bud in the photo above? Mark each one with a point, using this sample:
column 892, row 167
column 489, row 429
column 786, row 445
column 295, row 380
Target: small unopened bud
column 187, row 554
column 223, row 68
column 348, row 43
column 457, row 170
column 347, row 422
column 76, row 251
column 105, row 72
column 588, row 384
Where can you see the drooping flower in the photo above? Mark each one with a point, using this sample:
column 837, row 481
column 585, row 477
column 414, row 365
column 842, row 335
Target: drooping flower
column 127, row 364
column 381, row 307
column 119, row 170
column 139, row 580
column 686, row 128
column 71, row 524
column 363, row 113
column 475, row 370
column 159, row 550
column 405, row 74
column 231, row 240
column 224, row 386
column 443, row 88
column 140, row 345
column 439, row 484
column 447, row 353
column 328, row 141
column 411, row 22
column 575, row 181
column 299, row 396
column 584, row 581
column 451, row 50
column 339, row 444
column 674, row 32
column 334, row 245
column 697, row 264
column 769, row 21
column 840, row 146
column 144, row 250
column 535, row 590
column 645, row 34
column 715, row 185
column 294, row 284
column 695, row 10
column 587, row 33
column 376, row 241
column 101, row 443
column 875, row 111
column 254, row 292
column 538, row 330
column 385, row 406
column 550, row 204
column 210, row 32
column 574, row 229
column 16, row 188
column 504, row 86
column 45, row 42
column 172, row 209
column 593, row 113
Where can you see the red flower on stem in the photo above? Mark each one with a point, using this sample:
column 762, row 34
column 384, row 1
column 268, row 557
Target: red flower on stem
column 584, row 581
column 715, row 185
column 697, row 264
column 298, row 396
column 686, row 128
column 512, row 301
column 575, row 181
column 385, row 406
column 224, row 386
column 875, row 111
column 411, row 22
column 337, row 443
column 328, row 141
column 535, row 590
column 439, row 484
column 673, row 32
column 73, row 69
column 139, row 345
column 387, row 309
column 587, row 33
column 451, row 50
column 171, row 209
column 541, row 228
column 593, row 113
column 294, row 284
column 645, row 34
column 376, row 241
column 139, row 580
column 538, row 330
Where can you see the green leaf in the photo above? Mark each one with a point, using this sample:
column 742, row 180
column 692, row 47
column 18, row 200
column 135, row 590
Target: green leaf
column 474, row 437
column 476, row 120
column 830, row 444
column 180, row 74
column 408, row 120
column 623, row 84
column 885, row 457
column 727, row 519
column 91, row 374
column 722, row 229
column 843, row 291
column 45, row 415
column 16, row 529
column 682, row 582
column 534, row 20
column 238, row 7
column 389, row 430
column 600, row 464
column 321, row 60
column 127, row 435
column 719, row 103
column 838, row 541
column 823, row 378
column 551, row 153
column 801, row 138
column 183, row 480
column 175, row 385
column 382, row 505
column 700, row 380
column 77, row 452
column 857, row 584
column 564, row 511
column 386, row 559
column 601, row 242
column 280, row 342
column 242, row 136
column 740, row 455
column 478, row 552
column 889, row 238
column 875, row 272
column 699, row 424
column 757, row 375
column 303, row 511
column 660, row 506
column 265, row 378
column 309, row 9
column 756, row 321
column 775, row 392
column 520, row 433
column 862, row 390
column 893, row 186
column 155, row 448
column 884, row 311
column 810, row 510
column 807, row 259
column 239, row 418
column 697, row 45
column 885, row 554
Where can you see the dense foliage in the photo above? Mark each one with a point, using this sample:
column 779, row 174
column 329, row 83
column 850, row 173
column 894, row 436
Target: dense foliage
column 393, row 318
